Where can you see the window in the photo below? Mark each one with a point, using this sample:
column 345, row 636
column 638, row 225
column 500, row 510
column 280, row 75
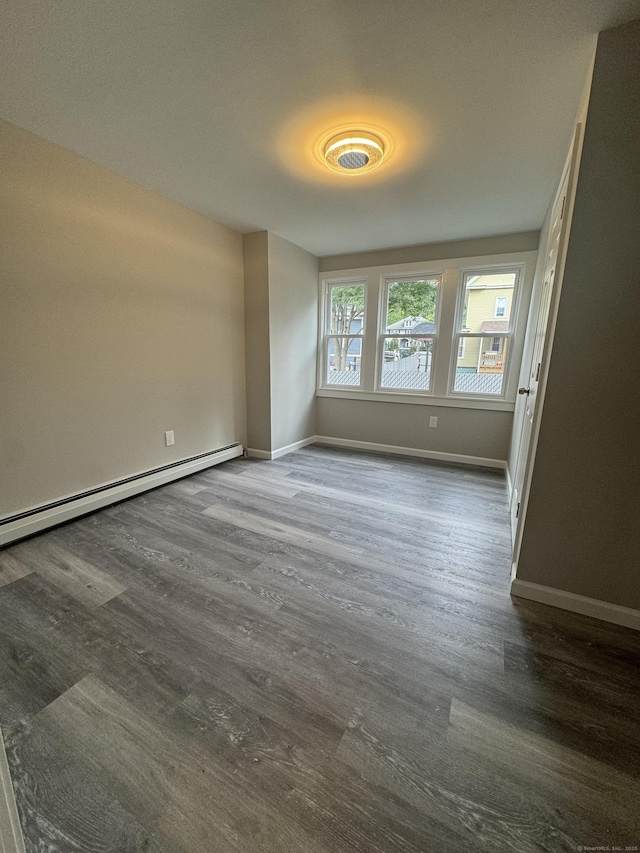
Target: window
column 481, row 370
column 432, row 335
column 409, row 332
column 343, row 344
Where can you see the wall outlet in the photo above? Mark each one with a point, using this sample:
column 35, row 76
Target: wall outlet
column 169, row 438
column 433, row 421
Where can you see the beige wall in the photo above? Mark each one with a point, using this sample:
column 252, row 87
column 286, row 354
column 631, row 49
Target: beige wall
column 281, row 296
column 581, row 530
column 469, row 432
column 122, row 317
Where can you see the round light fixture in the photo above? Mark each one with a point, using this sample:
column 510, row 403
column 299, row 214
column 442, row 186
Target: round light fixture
column 353, row 153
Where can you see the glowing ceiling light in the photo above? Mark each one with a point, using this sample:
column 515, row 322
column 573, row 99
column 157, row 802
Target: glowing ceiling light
column 353, row 153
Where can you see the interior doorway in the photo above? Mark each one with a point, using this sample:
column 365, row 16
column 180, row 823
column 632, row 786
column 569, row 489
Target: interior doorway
column 531, row 392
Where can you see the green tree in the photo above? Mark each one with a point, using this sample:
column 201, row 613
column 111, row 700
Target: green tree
column 412, row 299
column 347, row 305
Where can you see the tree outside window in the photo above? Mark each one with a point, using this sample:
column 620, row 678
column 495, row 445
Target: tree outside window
column 347, row 314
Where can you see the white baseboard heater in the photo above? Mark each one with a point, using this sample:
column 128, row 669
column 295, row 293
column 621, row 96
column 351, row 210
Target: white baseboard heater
column 28, row 521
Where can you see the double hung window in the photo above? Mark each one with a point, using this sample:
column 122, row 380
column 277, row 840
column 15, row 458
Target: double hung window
column 484, row 331
column 447, row 334
column 345, row 306
column 408, row 333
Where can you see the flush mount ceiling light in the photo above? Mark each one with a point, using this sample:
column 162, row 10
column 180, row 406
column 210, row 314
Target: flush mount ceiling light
column 353, row 153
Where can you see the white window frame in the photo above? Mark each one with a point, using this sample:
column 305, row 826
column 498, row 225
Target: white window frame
column 507, row 336
column 383, row 335
column 504, row 301
column 323, row 361
column 451, row 292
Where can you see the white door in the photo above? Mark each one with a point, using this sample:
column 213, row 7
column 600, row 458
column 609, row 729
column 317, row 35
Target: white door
column 529, row 393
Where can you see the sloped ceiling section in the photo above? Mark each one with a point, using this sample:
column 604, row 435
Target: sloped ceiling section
column 221, row 106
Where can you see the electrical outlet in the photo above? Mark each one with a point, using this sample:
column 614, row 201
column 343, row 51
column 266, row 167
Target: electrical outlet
column 433, row 421
column 169, row 438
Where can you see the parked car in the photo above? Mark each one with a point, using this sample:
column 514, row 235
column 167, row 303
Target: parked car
column 391, row 355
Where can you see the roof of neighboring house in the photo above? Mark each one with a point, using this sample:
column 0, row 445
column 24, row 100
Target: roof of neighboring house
column 400, row 325
column 494, row 326
column 426, row 328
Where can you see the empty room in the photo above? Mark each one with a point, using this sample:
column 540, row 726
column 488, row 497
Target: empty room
column 319, row 466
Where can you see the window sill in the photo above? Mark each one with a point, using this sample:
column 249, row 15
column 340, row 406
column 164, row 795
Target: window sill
column 417, row 399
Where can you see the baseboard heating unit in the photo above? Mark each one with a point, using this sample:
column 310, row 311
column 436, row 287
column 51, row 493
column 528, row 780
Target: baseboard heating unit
column 28, row 521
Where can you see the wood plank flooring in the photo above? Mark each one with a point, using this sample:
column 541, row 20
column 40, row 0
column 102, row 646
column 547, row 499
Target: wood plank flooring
column 312, row 655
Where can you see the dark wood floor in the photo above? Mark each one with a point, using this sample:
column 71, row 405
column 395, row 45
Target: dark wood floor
column 315, row 654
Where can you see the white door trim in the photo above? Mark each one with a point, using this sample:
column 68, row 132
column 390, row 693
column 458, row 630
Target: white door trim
column 559, row 262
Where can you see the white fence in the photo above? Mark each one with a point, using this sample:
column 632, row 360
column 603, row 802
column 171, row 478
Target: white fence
column 418, row 380
column 344, row 377
column 478, row 383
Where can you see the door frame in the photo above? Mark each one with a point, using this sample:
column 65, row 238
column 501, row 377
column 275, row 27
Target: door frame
column 528, row 455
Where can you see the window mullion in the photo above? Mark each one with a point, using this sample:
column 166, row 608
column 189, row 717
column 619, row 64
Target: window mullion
column 449, row 295
column 369, row 345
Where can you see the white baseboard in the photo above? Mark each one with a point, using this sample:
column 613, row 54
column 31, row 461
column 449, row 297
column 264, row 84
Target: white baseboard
column 67, row 508
column 252, row 453
column 412, row 451
column 11, row 840
column 281, row 451
column 514, row 569
column 289, row 448
column 379, row 448
column 603, row 610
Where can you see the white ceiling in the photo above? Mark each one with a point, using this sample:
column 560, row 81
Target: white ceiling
column 218, row 104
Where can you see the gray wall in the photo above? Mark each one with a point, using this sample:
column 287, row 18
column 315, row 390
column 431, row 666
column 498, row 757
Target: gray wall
column 281, row 297
column 526, row 241
column 470, row 432
column 534, row 306
column 257, row 339
column 293, row 310
column 122, row 317
column 581, row 532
